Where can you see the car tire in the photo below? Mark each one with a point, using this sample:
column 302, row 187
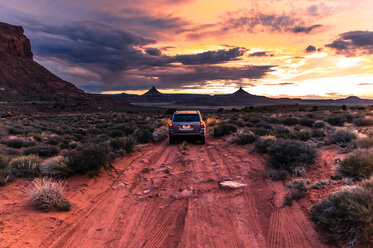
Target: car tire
column 203, row 140
column 172, row 140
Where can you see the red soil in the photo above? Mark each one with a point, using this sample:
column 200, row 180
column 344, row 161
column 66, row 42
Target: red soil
column 134, row 208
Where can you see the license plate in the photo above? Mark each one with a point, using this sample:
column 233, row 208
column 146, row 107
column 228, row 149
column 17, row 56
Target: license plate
column 186, row 126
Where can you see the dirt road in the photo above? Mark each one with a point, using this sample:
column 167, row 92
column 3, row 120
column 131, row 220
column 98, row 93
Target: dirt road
column 134, row 207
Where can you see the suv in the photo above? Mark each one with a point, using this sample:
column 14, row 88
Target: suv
column 187, row 124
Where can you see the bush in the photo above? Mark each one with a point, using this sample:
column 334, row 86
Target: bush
column 115, row 133
column 342, row 136
column 318, row 133
column 288, row 154
column 298, row 190
column 42, row 151
column 290, row 121
column 14, row 143
column 336, row 121
column 25, row 166
column 15, row 130
column 55, row 167
column 363, row 121
column 277, row 175
column 160, row 134
column 262, row 144
column 53, row 140
column 224, row 129
column 306, row 122
column 358, row 165
column 47, row 195
column 319, row 124
column 346, row 216
column 3, row 162
column 303, row 135
column 242, row 138
column 143, row 135
column 126, row 144
column 88, row 158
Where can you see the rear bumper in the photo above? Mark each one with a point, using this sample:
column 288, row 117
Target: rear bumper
column 186, row 134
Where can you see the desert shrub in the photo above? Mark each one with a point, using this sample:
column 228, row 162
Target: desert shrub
column 3, row 162
column 357, row 165
column 363, row 121
column 277, row 175
column 47, row 194
column 336, row 121
column 160, row 134
column 319, row 124
column 115, row 133
column 53, row 140
column 288, row 154
column 126, row 144
column 37, row 138
column 224, row 129
column 318, row 133
column 342, row 136
column 242, row 137
column 262, row 131
column 25, row 166
column 262, row 144
column 42, row 151
column 55, row 167
column 88, row 158
column 143, row 135
column 290, row 121
column 73, row 144
column 298, row 190
column 14, row 143
column 263, row 124
column 363, row 143
column 16, row 130
column 303, row 135
column 306, row 122
column 346, row 216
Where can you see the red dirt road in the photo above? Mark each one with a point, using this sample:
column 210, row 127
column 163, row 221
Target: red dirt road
column 134, row 207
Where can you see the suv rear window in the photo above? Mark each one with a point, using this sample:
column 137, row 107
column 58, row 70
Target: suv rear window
column 186, row 118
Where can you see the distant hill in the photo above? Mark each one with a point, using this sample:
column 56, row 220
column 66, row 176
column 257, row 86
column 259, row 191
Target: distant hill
column 238, row 98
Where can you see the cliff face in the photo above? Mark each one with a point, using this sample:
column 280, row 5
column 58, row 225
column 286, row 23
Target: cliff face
column 13, row 42
column 21, row 78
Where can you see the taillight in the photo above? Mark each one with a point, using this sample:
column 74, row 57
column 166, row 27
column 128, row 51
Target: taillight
column 170, row 124
column 202, row 124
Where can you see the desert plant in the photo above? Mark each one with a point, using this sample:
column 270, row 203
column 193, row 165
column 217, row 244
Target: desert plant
column 342, row 136
column 25, row 166
column 160, row 134
column 3, row 161
column 55, row 167
column 42, row 151
column 262, row 144
column 47, row 194
column 298, row 190
column 319, row 124
column 242, row 137
column 88, row 158
column 126, row 144
column 290, row 121
column 318, row 133
column 358, row 165
column 288, row 154
column 363, row 121
column 224, row 129
column 143, row 135
column 306, row 122
column 53, row 140
column 346, row 216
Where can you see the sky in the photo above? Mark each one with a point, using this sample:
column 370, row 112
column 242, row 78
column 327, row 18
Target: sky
column 277, row 48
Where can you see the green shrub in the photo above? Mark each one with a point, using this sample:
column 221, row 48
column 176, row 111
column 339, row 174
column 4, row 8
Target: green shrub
column 298, row 190
column 15, row 130
column 42, row 151
column 3, row 162
column 47, row 195
column 88, row 158
column 53, row 140
column 37, row 138
column 25, row 166
column 242, row 137
column 290, row 121
column 126, row 144
column 318, row 133
column 55, row 167
column 14, row 143
column 346, row 216
column 303, row 135
column 319, row 124
column 342, row 136
column 336, row 121
column 115, row 133
column 224, row 129
column 306, row 122
column 288, row 154
column 357, row 165
column 263, row 144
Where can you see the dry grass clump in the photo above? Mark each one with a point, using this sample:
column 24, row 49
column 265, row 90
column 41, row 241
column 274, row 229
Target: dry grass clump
column 160, row 134
column 55, row 167
column 25, row 166
column 47, row 194
column 358, row 165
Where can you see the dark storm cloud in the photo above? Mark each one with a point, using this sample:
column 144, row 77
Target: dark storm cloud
column 304, row 29
column 266, row 22
column 211, row 57
column 260, row 54
column 353, row 43
column 153, row 51
column 310, row 49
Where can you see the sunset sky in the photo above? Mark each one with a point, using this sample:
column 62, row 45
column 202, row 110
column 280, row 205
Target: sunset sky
column 303, row 48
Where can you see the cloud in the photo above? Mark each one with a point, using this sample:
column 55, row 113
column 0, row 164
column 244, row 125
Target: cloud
column 304, row 29
column 353, row 43
column 211, row 57
column 260, row 54
column 310, row 49
column 153, row 51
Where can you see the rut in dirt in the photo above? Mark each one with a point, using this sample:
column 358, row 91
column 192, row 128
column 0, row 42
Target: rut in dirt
column 144, row 213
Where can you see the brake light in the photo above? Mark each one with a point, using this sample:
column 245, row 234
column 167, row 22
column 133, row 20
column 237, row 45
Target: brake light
column 170, row 124
column 202, row 124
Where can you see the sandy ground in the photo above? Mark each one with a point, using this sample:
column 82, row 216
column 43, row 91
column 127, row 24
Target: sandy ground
column 161, row 198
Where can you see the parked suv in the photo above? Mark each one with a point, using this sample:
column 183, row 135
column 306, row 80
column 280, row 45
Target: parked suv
column 187, row 124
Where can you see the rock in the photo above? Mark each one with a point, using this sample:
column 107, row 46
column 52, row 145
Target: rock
column 238, row 178
column 144, row 192
column 202, row 160
column 185, row 193
column 119, row 185
column 224, row 178
column 164, row 169
column 337, row 160
column 144, row 160
column 231, row 185
column 214, row 164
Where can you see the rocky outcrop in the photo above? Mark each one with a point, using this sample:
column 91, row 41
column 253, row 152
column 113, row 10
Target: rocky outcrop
column 21, row 78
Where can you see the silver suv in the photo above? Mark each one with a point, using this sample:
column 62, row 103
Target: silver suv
column 187, row 124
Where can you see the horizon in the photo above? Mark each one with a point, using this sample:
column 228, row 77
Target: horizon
column 303, row 49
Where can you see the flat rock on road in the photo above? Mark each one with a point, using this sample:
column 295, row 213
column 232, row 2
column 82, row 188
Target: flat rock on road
column 160, row 197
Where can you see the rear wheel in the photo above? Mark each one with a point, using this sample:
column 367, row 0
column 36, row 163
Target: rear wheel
column 203, row 141
column 172, row 140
